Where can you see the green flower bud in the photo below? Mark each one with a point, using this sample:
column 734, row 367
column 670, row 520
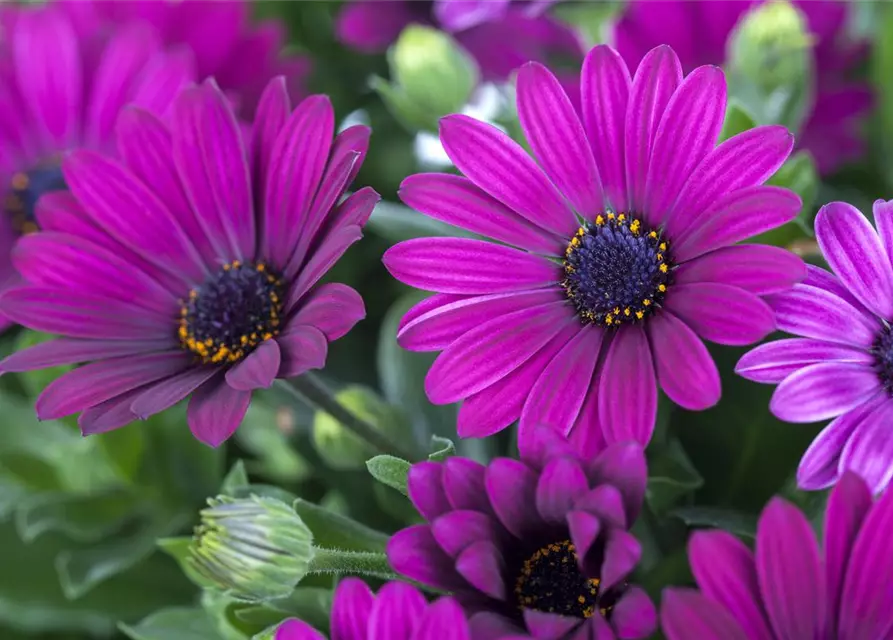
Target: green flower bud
column 253, row 549
column 431, row 77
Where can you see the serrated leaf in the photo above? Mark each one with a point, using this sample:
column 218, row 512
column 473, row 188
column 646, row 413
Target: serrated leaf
column 180, row 623
column 390, row 471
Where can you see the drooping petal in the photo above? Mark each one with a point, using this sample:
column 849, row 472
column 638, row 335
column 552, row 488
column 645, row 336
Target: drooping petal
column 815, row 313
column 324, row 256
column 303, row 348
column 333, row 308
column 456, row 530
column 627, row 392
column 622, row 465
column 463, row 482
column 774, row 361
column 756, row 268
column 216, row 410
column 686, row 614
column 720, row 313
column 824, row 390
column 622, row 553
column 258, row 369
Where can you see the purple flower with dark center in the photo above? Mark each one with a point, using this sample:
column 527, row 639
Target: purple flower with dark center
column 539, row 546
column 500, row 34
column 699, row 30
column 626, row 258
column 219, row 36
column 789, row 588
column 841, row 366
column 190, row 267
column 398, row 612
column 62, row 85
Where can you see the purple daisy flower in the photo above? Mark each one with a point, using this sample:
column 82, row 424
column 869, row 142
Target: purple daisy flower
column 191, row 266
column 219, row 35
column 539, row 546
column 62, row 86
column 788, row 589
column 500, row 34
column 626, row 257
column 831, row 132
column 841, row 366
column 398, row 612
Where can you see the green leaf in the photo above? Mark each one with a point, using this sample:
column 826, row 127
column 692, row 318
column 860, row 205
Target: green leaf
column 882, row 71
column 671, row 476
column 390, row 470
column 310, row 604
column 265, row 433
column 124, row 449
column 741, row 524
column 178, row 549
column 737, row 120
column 799, row 174
column 181, row 623
column 338, row 531
column 443, row 448
column 397, row 223
column 235, row 480
column 84, row 518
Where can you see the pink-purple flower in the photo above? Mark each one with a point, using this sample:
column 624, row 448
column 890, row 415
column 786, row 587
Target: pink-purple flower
column 62, row 86
column 397, row 611
column 699, row 30
column 190, row 267
column 500, row 34
column 219, row 37
column 616, row 252
column 538, row 547
column 790, row 588
column 841, row 365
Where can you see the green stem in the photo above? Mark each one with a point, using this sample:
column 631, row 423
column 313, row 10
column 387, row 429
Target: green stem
column 311, row 391
column 364, row 563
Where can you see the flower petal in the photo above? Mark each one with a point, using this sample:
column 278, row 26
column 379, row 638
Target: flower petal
column 456, row 530
column 499, row 166
column 352, row 605
column 584, row 530
column 720, row 313
column 622, row 465
column 258, row 369
column 685, row 369
column 824, row 390
column 685, row 614
column 883, row 219
column 622, row 554
column 789, row 572
column 294, row 629
column 856, row 255
column 561, row 482
column 415, row 553
column 823, row 279
column 396, row 611
column 272, row 113
column 333, row 308
column 166, row 393
column 869, row 451
column 443, row 620
column 556, row 136
column 627, row 391
column 425, row 485
column 814, row 313
column 302, row 348
column 774, row 361
column 634, row 615
column 481, row 564
column 511, row 488
column 63, row 351
column 215, row 411
column 756, row 268
column 463, row 482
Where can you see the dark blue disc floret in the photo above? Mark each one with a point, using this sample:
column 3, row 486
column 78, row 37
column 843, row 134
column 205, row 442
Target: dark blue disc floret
column 616, row 270
column 25, row 189
column 883, row 353
column 231, row 313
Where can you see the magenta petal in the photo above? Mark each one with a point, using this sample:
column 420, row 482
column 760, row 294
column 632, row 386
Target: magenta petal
column 774, row 361
column 587, row 435
column 627, row 392
column 848, row 504
column 869, row 451
column 756, row 268
column 866, row 599
column 623, row 466
column 481, row 564
column 492, row 351
column 333, row 308
column 467, row 266
column 296, row 630
column 425, row 485
column 458, row 16
column 499, row 166
column 396, row 611
column 688, row 131
column 823, row 279
column 166, row 393
column 463, row 482
column 726, row 572
column 720, row 313
column 415, row 553
column 634, row 616
column 257, row 370
column 856, row 255
column 541, row 624
column 455, row 200
column 654, row 83
column 542, row 446
column 511, row 488
column 561, row 482
column 605, row 88
column 819, row 467
column 70, row 351
column 622, row 554
column 456, row 530
column 789, row 572
column 584, row 529
column 685, row 369
column 302, row 348
column 443, row 620
column 355, row 209
column 215, row 411
column 814, row 313
column 325, row 255
column 272, row 112
column 364, row 26
column 883, row 219
column 210, row 155
column 558, row 395
column 556, row 136
column 685, row 614
column 351, row 608
column 824, row 390
column 606, row 502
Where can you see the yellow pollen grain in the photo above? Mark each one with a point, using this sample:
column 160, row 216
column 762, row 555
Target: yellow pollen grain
column 640, row 315
column 661, row 287
column 662, row 246
column 610, row 216
column 626, row 312
column 599, row 220
column 653, row 234
column 621, row 218
column 664, row 268
column 646, row 302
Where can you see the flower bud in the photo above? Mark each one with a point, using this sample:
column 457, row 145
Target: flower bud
column 254, row 548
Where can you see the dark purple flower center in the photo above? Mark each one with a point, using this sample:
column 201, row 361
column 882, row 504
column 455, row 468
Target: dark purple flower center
column 616, row 270
column 883, row 353
column 234, row 311
column 25, row 189
column 551, row 581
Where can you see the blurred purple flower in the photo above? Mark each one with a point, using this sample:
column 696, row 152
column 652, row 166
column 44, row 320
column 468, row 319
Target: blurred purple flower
column 399, row 611
column 789, row 589
column 627, row 253
column 500, row 34
column 842, row 365
column 698, row 31
column 191, row 265
column 62, row 86
column 219, row 35
column 539, row 546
